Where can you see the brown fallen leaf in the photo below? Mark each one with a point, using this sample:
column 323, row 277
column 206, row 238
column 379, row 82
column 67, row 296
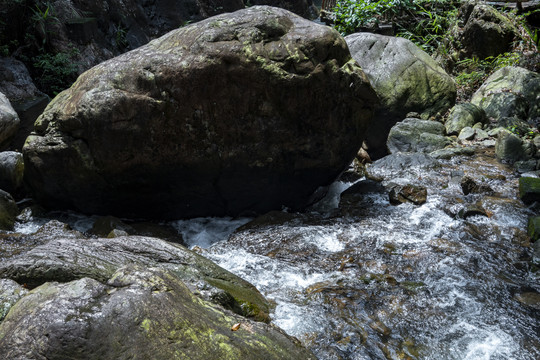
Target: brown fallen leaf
column 235, row 327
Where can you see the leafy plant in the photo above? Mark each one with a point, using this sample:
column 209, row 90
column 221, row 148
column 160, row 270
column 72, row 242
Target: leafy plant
column 56, row 72
column 42, row 18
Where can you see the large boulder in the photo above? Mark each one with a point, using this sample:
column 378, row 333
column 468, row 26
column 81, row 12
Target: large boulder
column 9, row 121
column 18, row 86
column 510, row 92
column 486, row 33
column 405, row 78
column 137, row 313
column 243, row 112
column 11, row 171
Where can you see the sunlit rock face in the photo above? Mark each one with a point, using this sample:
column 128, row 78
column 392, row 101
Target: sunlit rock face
column 241, row 113
column 405, row 78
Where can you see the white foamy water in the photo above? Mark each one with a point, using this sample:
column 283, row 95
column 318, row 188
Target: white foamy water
column 440, row 284
column 204, row 232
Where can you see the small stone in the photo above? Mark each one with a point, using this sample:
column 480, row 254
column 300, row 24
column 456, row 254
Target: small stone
column 380, row 327
column 466, row 133
column 531, row 299
column 471, row 210
column 408, row 193
column 463, row 115
column 489, row 143
column 116, row 233
column 468, row 186
column 481, row 134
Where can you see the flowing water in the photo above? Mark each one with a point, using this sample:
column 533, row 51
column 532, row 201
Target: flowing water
column 365, row 279
column 377, row 281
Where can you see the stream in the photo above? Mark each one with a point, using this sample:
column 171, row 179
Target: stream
column 378, row 281
column 449, row 279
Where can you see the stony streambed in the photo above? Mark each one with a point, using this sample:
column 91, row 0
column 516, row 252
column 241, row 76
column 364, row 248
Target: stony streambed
column 375, row 281
column 449, row 279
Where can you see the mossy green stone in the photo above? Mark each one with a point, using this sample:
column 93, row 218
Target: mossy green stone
column 529, row 189
column 533, row 228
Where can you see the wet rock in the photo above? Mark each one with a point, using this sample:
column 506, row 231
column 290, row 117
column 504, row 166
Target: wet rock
column 405, row 78
column 533, row 228
column 509, row 148
column 215, row 121
column 135, row 313
column 531, row 299
column 304, row 8
column 487, row 33
column 408, row 193
column 469, row 210
column 529, row 189
column 9, row 121
column 415, row 135
column 11, row 171
column 356, row 195
column 67, row 259
column 525, row 166
column 510, row 92
column 8, row 211
column 10, row 293
column 469, row 186
column 105, row 224
column 449, row 153
column 114, row 233
column 463, row 115
column 395, row 164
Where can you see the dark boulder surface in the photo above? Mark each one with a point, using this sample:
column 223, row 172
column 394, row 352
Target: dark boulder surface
column 243, row 112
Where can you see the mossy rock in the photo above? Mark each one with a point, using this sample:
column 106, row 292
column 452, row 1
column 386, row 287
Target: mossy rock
column 529, row 189
column 533, row 228
column 138, row 313
column 67, row 259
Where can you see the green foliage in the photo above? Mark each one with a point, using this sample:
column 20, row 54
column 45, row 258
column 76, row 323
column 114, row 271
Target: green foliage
column 473, row 71
column 352, row 15
column 42, row 19
column 56, row 72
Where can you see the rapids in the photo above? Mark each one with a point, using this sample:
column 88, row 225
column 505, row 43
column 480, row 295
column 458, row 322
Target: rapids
column 365, row 279
column 396, row 282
